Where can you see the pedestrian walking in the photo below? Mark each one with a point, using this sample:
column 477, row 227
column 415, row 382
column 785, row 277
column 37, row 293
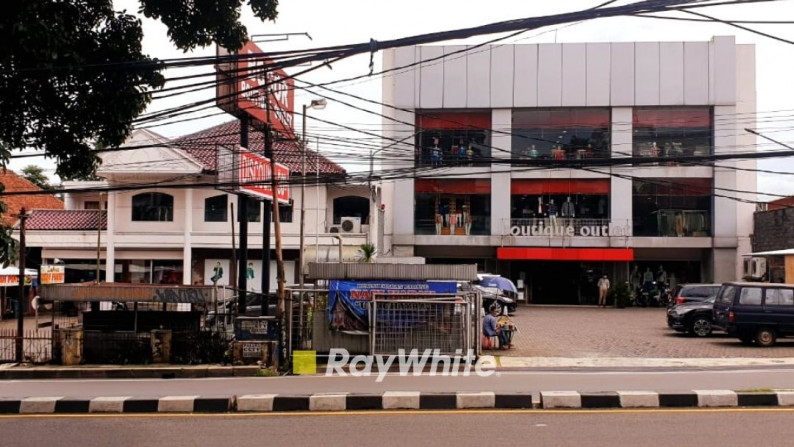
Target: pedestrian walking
column 603, row 289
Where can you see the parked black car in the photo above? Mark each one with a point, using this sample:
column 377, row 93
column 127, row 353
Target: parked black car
column 694, row 317
column 756, row 312
column 686, row 293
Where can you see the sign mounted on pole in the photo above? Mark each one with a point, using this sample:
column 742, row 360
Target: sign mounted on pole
column 242, row 171
column 243, row 84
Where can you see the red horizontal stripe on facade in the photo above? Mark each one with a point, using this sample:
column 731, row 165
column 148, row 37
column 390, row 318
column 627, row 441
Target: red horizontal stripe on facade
column 453, row 120
column 564, row 254
column 461, row 186
column 559, row 186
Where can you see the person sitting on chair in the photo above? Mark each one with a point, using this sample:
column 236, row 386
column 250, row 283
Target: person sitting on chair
column 491, row 329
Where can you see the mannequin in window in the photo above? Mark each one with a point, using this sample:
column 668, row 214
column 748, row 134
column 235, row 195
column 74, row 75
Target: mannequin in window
column 532, row 152
column 661, row 276
column 461, row 152
column 552, row 210
column 540, row 207
column 647, row 279
column 443, row 210
column 679, row 224
column 568, row 211
column 470, row 151
column 435, row 153
column 558, row 153
column 467, row 219
column 602, row 204
column 635, row 279
column 439, row 223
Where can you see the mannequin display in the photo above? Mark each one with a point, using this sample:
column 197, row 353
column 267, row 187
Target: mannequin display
column 443, row 209
column 533, row 153
column 552, row 210
column 661, row 276
column 635, row 279
column 673, row 282
column 602, row 205
column 568, row 211
column 435, row 153
column 540, row 206
column 439, row 223
column 467, row 220
column 461, row 151
column 470, row 152
column 679, row 224
column 647, row 279
column 558, row 153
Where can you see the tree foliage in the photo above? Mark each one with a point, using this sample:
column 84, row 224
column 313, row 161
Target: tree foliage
column 34, row 174
column 73, row 74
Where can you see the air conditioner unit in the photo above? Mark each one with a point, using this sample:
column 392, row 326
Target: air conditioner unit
column 335, row 229
column 350, row 225
column 754, row 268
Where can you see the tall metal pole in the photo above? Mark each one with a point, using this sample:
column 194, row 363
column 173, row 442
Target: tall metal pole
column 266, row 233
column 20, row 320
column 303, row 203
column 98, row 240
column 317, row 213
column 242, row 213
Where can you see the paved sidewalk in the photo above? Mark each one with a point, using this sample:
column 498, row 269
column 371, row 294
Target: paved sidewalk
column 592, row 332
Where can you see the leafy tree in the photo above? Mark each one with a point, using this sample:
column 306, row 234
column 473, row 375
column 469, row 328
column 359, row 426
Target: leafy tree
column 34, row 174
column 73, row 74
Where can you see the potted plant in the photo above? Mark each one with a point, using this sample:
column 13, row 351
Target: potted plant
column 621, row 294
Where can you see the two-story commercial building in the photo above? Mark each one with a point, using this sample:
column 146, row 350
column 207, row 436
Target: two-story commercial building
column 507, row 139
column 156, row 218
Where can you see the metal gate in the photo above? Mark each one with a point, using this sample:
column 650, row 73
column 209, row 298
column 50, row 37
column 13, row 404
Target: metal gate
column 448, row 324
column 36, row 346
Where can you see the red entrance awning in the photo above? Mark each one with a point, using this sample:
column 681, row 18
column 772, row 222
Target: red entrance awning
column 564, row 254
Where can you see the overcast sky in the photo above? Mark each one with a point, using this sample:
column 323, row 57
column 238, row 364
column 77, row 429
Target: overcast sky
column 356, row 21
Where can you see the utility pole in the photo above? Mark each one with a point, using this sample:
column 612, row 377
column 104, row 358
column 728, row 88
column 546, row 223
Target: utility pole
column 99, row 241
column 276, row 221
column 268, row 209
column 242, row 213
column 23, row 216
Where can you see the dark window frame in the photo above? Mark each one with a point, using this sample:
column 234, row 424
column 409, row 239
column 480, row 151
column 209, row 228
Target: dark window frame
column 214, row 213
column 152, row 207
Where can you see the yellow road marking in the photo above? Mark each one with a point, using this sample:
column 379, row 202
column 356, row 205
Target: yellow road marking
column 402, row 412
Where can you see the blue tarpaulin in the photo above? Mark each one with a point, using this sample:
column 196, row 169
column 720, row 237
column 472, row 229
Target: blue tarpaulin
column 348, row 300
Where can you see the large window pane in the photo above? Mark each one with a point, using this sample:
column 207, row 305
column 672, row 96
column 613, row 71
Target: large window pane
column 452, row 207
column 672, row 131
column 561, row 133
column 153, row 207
column 215, row 208
column 672, row 207
column 453, row 138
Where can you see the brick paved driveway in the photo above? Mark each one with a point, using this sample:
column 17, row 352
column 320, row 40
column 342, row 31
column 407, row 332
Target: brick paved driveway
column 634, row 332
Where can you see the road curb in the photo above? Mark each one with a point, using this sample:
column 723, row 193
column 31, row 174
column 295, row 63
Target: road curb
column 111, row 372
column 396, row 400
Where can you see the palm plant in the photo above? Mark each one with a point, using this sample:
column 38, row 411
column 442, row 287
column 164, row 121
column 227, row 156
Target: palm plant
column 368, row 252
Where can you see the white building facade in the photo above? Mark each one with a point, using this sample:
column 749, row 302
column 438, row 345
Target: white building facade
column 510, row 147
column 157, row 228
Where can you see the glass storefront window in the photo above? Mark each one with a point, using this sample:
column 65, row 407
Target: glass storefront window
column 453, row 138
column 561, row 133
column 569, row 199
column 452, row 207
column 672, row 131
column 672, row 207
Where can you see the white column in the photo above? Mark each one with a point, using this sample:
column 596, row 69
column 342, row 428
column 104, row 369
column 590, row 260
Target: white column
column 110, row 240
column 501, row 143
column 620, row 191
column 187, row 250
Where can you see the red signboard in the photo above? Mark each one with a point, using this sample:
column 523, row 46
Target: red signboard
column 254, row 175
column 564, row 254
column 253, row 75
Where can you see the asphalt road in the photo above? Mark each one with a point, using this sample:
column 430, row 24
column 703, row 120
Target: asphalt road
column 779, row 378
column 483, row 428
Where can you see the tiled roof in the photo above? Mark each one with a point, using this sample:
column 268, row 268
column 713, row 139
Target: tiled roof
column 201, row 146
column 65, row 220
column 14, row 183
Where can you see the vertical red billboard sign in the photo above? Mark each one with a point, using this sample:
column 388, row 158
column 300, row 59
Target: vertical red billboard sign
column 254, row 77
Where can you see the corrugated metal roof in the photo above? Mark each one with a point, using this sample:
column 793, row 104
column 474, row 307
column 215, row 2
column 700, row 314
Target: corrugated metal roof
column 349, row 270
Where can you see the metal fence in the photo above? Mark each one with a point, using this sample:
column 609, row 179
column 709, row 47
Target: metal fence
column 36, row 346
column 445, row 325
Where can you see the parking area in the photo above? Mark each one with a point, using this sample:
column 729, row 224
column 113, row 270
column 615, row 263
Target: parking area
column 572, row 331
